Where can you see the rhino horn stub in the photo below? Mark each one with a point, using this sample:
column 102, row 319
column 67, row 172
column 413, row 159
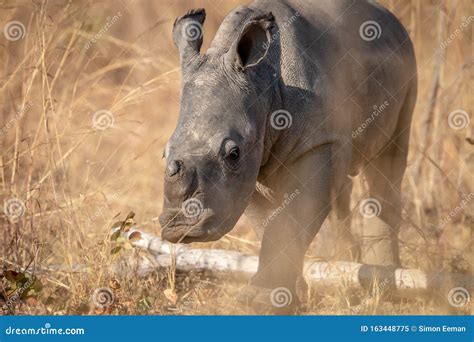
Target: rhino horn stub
column 188, row 34
column 252, row 44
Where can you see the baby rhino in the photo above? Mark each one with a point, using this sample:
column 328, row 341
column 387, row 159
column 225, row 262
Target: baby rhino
column 291, row 99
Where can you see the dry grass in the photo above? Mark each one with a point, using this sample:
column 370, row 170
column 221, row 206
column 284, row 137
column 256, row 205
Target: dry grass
column 74, row 179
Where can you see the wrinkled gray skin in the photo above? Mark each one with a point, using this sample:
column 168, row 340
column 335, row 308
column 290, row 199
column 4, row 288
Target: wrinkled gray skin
column 307, row 58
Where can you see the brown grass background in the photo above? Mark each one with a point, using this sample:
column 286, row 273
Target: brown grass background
column 74, row 179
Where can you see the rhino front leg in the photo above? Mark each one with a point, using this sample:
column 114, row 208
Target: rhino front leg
column 306, row 189
column 260, row 208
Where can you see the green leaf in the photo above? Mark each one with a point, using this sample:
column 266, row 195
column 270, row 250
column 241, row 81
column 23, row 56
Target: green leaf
column 115, row 235
column 129, row 221
column 20, row 278
column 115, row 250
column 10, row 275
column 117, row 224
column 130, row 216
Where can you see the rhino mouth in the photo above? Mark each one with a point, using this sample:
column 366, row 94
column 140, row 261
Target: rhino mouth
column 182, row 230
column 183, row 234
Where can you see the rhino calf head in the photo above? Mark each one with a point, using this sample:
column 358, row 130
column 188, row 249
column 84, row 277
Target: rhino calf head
column 215, row 152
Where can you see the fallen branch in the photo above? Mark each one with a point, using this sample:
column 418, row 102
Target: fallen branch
column 316, row 273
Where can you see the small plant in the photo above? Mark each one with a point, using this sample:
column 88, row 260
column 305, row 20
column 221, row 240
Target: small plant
column 16, row 287
column 119, row 237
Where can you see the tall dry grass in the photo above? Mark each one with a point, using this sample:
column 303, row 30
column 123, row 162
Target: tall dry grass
column 74, row 179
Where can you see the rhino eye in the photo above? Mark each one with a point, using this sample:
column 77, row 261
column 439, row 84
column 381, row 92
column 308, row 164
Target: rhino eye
column 232, row 154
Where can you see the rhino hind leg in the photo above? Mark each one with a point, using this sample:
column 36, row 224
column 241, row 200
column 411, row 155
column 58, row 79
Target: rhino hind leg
column 384, row 174
column 379, row 241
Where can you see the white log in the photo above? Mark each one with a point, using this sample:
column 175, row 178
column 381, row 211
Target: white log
column 316, row 273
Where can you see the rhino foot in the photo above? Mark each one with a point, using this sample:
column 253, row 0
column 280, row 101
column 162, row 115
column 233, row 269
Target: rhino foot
column 279, row 300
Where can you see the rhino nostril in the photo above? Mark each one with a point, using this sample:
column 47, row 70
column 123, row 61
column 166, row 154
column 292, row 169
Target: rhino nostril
column 174, row 166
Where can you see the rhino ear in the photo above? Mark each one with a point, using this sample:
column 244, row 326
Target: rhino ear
column 187, row 34
column 251, row 46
